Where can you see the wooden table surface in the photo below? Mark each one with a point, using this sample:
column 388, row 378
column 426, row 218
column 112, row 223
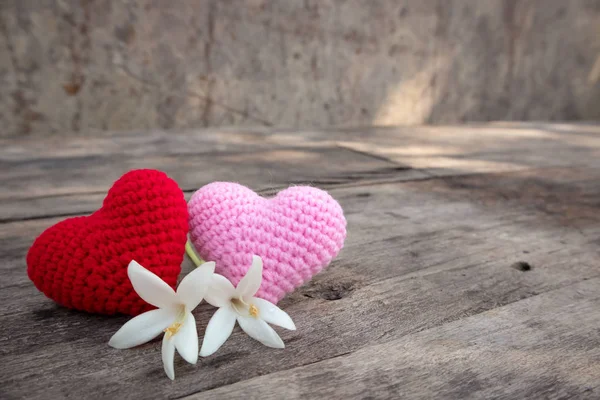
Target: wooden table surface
column 431, row 297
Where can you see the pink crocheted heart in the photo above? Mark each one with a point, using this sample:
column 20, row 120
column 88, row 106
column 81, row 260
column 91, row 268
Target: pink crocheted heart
column 297, row 233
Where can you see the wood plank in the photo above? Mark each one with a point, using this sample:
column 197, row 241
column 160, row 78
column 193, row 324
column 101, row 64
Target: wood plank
column 451, row 150
column 189, row 142
column 543, row 347
column 264, row 168
column 46, row 187
column 461, row 150
column 201, row 141
column 423, row 253
column 41, row 176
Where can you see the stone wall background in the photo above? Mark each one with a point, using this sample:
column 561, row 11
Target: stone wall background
column 90, row 65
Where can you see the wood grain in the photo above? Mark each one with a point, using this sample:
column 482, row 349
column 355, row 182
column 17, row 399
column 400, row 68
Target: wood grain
column 423, row 301
column 543, row 347
column 50, row 176
column 43, row 187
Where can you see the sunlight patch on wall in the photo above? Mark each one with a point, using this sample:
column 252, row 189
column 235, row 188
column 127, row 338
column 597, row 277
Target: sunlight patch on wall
column 410, row 102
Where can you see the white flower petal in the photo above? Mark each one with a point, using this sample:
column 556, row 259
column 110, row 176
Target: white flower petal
column 250, row 283
column 193, row 287
column 186, row 340
column 272, row 314
column 142, row 328
column 150, row 287
column 168, row 356
column 258, row 329
column 218, row 331
column 219, row 292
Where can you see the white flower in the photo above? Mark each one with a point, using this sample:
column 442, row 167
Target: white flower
column 173, row 316
column 240, row 304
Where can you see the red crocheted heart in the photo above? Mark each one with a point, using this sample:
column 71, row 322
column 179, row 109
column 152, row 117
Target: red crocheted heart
column 81, row 262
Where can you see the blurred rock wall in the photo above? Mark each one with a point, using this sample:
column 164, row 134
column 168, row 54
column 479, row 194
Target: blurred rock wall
column 89, row 65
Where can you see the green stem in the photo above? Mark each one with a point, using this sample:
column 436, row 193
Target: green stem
column 192, row 254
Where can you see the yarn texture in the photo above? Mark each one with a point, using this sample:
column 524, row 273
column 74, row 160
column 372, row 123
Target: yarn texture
column 81, row 262
column 297, row 233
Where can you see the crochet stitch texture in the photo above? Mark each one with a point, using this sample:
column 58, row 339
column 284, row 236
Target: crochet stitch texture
column 297, row 233
column 81, row 262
